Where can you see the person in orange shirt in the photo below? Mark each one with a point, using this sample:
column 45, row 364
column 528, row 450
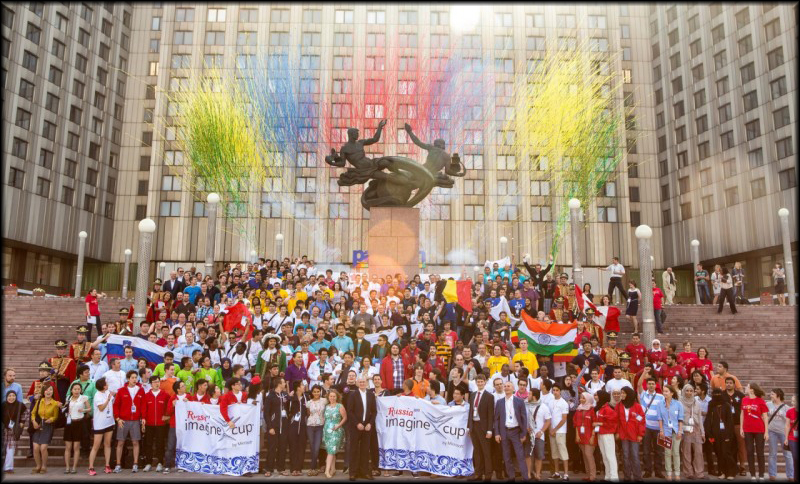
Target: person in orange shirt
column 718, row 379
column 169, row 379
column 421, row 384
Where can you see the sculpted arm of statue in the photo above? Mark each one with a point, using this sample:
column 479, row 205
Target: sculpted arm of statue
column 334, row 159
column 377, row 136
column 417, row 140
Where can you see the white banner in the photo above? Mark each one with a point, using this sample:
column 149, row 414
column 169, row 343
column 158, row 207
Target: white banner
column 391, row 334
column 417, row 436
column 206, row 444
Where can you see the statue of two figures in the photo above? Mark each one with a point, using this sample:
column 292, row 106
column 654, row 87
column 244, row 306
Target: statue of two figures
column 394, row 181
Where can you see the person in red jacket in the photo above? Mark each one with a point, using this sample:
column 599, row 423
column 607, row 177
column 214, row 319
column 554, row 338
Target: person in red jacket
column 179, row 393
column 409, row 356
column 393, row 372
column 637, row 352
column 201, row 392
column 656, row 354
column 154, row 416
column 128, row 413
column 583, row 420
column 235, row 395
column 605, row 426
column 631, row 433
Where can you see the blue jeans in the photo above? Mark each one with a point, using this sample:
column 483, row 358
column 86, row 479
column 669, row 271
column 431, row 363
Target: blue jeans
column 314, row 439
column 657, row 315
column 795, row 457
column 705, row 294
column 547, row 304
column 630, row 458
column 776, row 441
column 169, row 457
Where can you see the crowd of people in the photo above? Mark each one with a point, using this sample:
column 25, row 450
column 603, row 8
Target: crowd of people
column 306, row 358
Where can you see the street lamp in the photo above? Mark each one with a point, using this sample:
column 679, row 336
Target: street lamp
column 81, row 249
column 787, row 255
column 146, row 229
column 644, row 233
column 279, row 244
column 161, row 270
column 695, row 250
column 128, row 253
column 574, row 213
column 211, row 233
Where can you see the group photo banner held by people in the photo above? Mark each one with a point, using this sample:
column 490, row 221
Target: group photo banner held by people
column 206, row 444
column 417, row 436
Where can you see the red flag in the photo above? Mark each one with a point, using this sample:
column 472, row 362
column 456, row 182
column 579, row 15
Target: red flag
column 607, row 317
column 236, row 318
column 464, row 294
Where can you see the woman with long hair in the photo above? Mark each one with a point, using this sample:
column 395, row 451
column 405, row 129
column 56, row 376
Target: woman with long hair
column 587, row 291
column 716, row 283
column 14, row 416
column 332, row 433
column 779, row 278
column 702, row 363
column 670, row 422
column 44, row 416
column 316, row 410
column 585, row 438
column 632, row 309
column 76, row 406
column 692, row 460
column 726, row 291
column 777, row 424
column 753, row 422
column 102, row 424
column 738, row 280
column 696, row 379
column 631, row 433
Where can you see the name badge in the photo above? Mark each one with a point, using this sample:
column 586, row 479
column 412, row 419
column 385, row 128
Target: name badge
column 722, row 425
column 597, row 428
column 69, row 420
column 475, row 414
column 733, row 410
column 296, row 417
column 639, row 418
column 11, row 425
column 133, row 408
column 283, row 413
column 583, row 430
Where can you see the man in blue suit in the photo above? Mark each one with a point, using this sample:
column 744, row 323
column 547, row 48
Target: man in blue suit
column 510, row 429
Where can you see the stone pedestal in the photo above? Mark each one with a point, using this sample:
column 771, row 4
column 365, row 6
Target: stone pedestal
column 393, row 241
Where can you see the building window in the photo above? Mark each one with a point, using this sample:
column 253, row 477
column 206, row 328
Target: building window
column 49, row 130
column 727, row 141
column 504, row 19
column 683, row 159
column 507, row 212
column 633, row 169
column 703, row 150
column 678, row 109
column 473, row 212
column 170, row 209
column 140, row 212
column 473, row 187
column 306, row 185
column 778, row 87
column 88, row 203
column 29, row 61
column 83, row 37
column 563, row 21
column 750, row 100
column 781, row 117
column 731, row 196
column 686, row 211
column 758, row 187
column 67, row 195
column 745, row 45
column 755, row 157
column 250, row 15
column 43, row 187
column 787, row 178
column 666, row 217
column 675, row 60
column 606, row 214
column 216, row 14
column 376, row 17
column 680, row 136
column 633, row 193
column 23, row 119
column 707, row 203
column 753, row 129
column 16, row 178
column 540, row 213
column 304, row 210
column 507, row 187
column 346, row 16
column 270, row 209
column 216, row 38
column 535, row 20
column 597, row 21
column 720, row 60
column 184, row 15
column 540, row 188
column 718, row 33
column 775, row 58
column 784, row 147
column 182, row 37
column 338, row 210
column 684, row 185
column 702, row 124
column 773, row 29
column 725, row 113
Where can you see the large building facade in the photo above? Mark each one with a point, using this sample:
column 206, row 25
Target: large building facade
column 670, row 70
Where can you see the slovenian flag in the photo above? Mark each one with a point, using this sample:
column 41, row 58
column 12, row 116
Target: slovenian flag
column 546, row 339
column 607, row 317
column 115, row 348
column 455, row 292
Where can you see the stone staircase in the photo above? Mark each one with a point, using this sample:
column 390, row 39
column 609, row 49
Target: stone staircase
column 759, row 344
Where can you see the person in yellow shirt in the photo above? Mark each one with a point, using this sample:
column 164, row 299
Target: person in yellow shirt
column 497, row 360
column 525, row 357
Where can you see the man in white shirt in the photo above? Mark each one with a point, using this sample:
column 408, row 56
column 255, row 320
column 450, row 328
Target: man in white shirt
column 510, row 429
column 97, row 367
column 539, row 420
column 543, row 375
column 115, row 378
column 617, row 383
column 595, row 384
column 318, row 367
column 505, row 375
column 617, row 271
column 559, row 410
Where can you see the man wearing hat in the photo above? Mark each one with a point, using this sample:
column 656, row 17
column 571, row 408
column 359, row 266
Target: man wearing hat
column 80, row 351
column 610, row 354
column 592, row 327
column 558, row 310
column 154, row 302
column 270, row 354
column 563, row 289
column 625, row 367
column 64, row 366
column 124, row 325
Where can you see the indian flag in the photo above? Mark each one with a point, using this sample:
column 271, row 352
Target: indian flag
column 546, row 338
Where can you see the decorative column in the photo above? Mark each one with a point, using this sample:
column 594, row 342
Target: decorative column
column 574, row 214
column 81, row 249
column 695, row 249
column 161, row 269
column 125, row 273
column 643, row 233
column 211, row 233
column 787, row 255
column 146, row 229
column 279, row 246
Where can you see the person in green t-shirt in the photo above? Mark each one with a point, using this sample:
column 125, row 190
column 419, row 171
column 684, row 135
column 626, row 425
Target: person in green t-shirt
column 187, row 373
column 206, row 372
column 701, row 279
column 159, row 370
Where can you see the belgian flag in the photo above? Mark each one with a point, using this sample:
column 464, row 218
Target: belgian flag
column 455, row 292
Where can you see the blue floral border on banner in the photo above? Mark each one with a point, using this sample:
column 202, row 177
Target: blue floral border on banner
column 421, row 461
column 210, row 464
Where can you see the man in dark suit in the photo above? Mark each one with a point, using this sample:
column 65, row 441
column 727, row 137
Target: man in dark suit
column 481, row 423
column 361, row 347
column 510, row 429
column 173, row 285
column 362, row 409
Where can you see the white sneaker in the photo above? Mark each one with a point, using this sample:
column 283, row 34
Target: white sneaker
column 118, row 469
column 135, row 469
column 159, row 468
column 166, row 470
column 147, row 468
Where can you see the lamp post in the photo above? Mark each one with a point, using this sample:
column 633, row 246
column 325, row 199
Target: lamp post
column 475, row 270
column 146, row 229
column 81, row 248
column 695, row 249
column 279, row 246
column 787, row 254
column 253, row 255
column 503, row 242
column 574, row 212
column 211, row 234
column 161, row 270
column 644, row 233
column 125, row 273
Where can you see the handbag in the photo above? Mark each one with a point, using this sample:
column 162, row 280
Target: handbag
column 61, row 420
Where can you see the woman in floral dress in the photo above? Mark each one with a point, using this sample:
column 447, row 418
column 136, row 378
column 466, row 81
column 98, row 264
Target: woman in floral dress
column 332, row 432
